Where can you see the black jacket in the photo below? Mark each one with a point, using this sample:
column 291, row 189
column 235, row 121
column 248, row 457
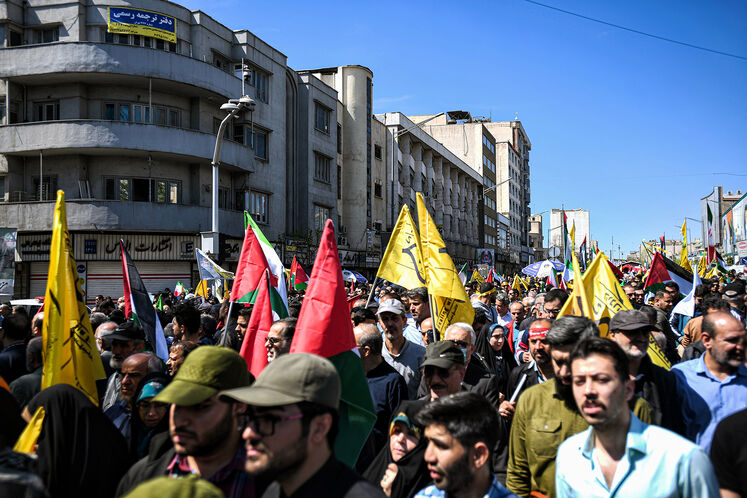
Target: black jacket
column 658, row 387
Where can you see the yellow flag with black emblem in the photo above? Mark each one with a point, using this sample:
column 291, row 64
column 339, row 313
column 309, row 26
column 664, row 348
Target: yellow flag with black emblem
column 477, row 277
column 402, row 263
column 68, row 343
column 605, row 297
column 449, row 300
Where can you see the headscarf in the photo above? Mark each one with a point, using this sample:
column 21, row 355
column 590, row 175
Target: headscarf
column 11, row 423
column 141, row 435
column 413, row 471
column 485, row 350
column 80, row 452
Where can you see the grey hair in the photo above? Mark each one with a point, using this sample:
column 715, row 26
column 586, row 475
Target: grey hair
column 502, row 297
column 465, row 327
column 154, row 363
column 568, row 330
column 372, row 339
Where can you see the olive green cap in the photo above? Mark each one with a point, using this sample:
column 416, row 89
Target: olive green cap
column 207, row 370
column 442, row 354
column 292, row 378
column 190, row 486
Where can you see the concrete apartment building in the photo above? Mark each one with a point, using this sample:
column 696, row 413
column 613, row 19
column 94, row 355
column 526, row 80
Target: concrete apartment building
column 499, row 152
column 537, row 237
column 720, row 203
column 125, row 124
column 416, row 161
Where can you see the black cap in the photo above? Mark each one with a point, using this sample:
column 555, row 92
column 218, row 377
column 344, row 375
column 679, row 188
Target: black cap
column 629, row 320
column 128, row 330
column 734, row 290
column 442, row 354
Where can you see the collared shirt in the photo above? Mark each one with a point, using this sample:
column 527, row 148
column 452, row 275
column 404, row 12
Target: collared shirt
column 121, row 416
column 230, row 479
column 706, row 400
column 656, row 462
column 412, row 334
column 407, row 363
column 540, row 378
column 495, row 491
column 503, row 320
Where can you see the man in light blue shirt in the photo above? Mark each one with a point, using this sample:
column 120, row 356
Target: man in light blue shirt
column 713, row 386
column 618, row 455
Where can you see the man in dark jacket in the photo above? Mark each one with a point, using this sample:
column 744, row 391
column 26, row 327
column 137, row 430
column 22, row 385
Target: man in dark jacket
column 15, row 332
column 204, row 429
column 631, row 330
column 290, row 429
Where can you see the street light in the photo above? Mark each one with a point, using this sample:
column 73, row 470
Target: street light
column 210, row 242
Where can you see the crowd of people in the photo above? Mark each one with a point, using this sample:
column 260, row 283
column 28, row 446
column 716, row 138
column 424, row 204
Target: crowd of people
column 521, row 402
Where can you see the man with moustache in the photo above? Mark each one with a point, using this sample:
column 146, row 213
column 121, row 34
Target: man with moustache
column 279, row 337
column 461, row 431
column 203, row 428
column 290, row 428
column 127, row 339
column 134, row 368
column 620, row 455
column 713, row 386
column 402, row 354
column 631, row 329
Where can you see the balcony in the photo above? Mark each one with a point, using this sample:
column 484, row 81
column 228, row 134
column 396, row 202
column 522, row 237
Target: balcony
column 105, row 63
column 87, row 214
column 99, row 137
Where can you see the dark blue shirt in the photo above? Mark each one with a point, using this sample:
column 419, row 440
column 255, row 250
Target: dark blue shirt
column 387, row 388
column 13, row 362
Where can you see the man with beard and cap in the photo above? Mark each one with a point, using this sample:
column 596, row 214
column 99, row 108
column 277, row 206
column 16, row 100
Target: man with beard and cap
column 290, row 427
column 713, row 386
column 619, row 455
column 461, row 431
column 126, row 339
column 203, row 428
column 537, row 371
column 631, row 329
column 545, row 414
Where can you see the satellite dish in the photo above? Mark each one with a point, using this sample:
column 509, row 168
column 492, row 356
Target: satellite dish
column 553, row 252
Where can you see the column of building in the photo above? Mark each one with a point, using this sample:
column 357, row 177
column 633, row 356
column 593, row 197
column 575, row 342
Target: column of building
column 438, row 191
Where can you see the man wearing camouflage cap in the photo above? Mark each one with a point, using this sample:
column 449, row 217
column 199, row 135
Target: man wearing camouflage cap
column 203, row 428
column 290, row 428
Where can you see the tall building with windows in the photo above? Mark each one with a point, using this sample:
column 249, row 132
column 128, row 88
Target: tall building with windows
column 499, row 152
column 125, row 123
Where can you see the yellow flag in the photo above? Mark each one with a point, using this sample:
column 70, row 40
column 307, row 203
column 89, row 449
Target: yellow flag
column 573, row 235
column 202, row 289
column 402, row 263
column 702, row 266
column 579, row 303
column 30, row 435
column 605, row 298
column 68, row 343
column 713, row 273
column 450, row 303
column 476, row 276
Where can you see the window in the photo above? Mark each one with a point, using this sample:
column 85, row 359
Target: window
column 143, row 190
column 15, row 39
column 321, row 118
column 321, row 167
column 161, row 115
column 167, row 191
column 47, row 111
column 321, row 215
column 224, row 198
column 339, row 182
column 339, row 138
column 259, row 206
column 47, row 35
column 174, row 118
column 2, row 113
column 48, row 188
column 141, row 113
column 377, row 151
column 123, row 39
column 259, row 82
column 124, row 112
column 2, row 188
column 260, row 144
column 377, row 189
column 118, row 189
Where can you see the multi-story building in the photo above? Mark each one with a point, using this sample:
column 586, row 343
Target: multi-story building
column 125, row 123
column 577, row 217
column 419, row 162
column 537, row 237
column 499, row 152
column 360, row 162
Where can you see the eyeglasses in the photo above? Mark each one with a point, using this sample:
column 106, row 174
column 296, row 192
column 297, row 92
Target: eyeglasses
column 264, row 425
column 552, row 311
column 274, row 340
column 462, row 344
column 430, row 371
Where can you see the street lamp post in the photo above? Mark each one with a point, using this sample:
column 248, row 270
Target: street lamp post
column 210, row 240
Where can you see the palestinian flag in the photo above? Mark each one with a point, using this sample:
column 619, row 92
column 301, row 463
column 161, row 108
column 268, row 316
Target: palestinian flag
column 462, row 273
column 298, row 278
column 664, row 270
column 139, row 306
column 250, row 272
column 253, row 348
column 275, row 265
column 324, row 328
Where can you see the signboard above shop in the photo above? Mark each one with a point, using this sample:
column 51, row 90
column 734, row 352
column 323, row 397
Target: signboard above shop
column 142, row 22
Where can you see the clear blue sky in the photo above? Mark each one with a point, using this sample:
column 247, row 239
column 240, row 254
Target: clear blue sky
column 626, row 126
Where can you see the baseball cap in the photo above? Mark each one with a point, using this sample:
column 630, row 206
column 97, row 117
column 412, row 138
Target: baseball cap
column 189, row 486
column 207, row 370
column 442, row 354
column 150, row 390
column 391, row 306
column 629, row 320
column 734, row 290
column 289, row 379
column 128, row 330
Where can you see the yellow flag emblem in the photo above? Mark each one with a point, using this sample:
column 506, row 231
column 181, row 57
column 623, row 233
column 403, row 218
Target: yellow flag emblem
column 68, row 345
column 402, row 263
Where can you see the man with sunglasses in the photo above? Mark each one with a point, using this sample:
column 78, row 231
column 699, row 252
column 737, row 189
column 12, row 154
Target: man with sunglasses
column 203, row 428
column 290, row 427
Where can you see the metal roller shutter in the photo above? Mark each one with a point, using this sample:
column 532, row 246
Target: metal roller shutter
column 38, row 279
column 105, row 277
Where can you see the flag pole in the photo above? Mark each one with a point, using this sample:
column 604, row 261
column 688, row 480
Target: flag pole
column 436, row 332
column 370, row 294
column 228, row 320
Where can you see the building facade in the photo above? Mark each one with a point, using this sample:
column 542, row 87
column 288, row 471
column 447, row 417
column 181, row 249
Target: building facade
column 126, row 125
column 452, row 190
column 537, row 237
column 577, row 217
